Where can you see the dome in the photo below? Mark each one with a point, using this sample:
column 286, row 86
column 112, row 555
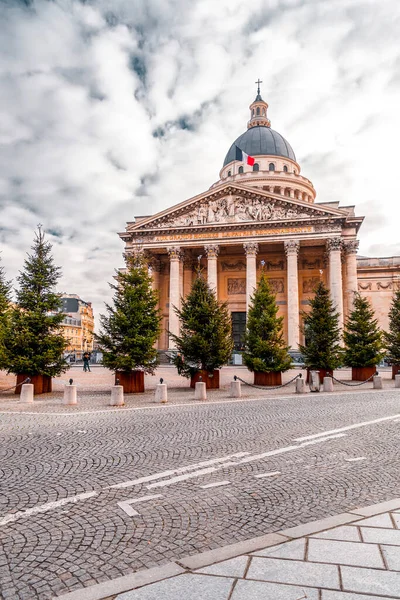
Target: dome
column 261, row 140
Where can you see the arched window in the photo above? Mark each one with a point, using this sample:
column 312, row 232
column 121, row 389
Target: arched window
column 264, row 112
column 256, row 167
column 229, row 173
column 252, row 112
column 240, row 169
column 258, row 110
column 285, row 169
column 271, row 167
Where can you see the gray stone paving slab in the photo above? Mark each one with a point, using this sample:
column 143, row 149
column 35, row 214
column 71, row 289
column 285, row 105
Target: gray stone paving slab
column 294, row 571
column 396, row 517
column 295, row 550
column 371, row 581
column 376, row 509
column 235, row 567
column 383, row 521
column 347, row 533
column 328, row 595
column 381, row 536
column 255, row 590
column 183, row 587
column 345, row 553
column 392, row 557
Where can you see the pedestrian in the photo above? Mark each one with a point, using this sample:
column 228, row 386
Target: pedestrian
column 86, row 364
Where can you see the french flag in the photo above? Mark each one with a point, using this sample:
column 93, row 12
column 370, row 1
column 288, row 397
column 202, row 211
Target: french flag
column 243, row 157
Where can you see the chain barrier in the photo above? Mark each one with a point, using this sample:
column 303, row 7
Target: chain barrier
column 27, row 380
column 355, row 384
column 263, row 387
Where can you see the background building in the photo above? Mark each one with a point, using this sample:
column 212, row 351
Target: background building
column 78, row 325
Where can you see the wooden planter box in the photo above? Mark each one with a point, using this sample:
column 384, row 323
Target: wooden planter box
column 41, row 383
column 322, row 373
column 210, row 379
column 267, row 378
column 362, row 373
column 131, row 381
column 395, row 370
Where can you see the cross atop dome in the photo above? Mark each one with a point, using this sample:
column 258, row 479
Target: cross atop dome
column 258, row 111
column 258, row 97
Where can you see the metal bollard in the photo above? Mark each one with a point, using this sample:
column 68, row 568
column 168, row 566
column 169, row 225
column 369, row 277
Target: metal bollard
column 328, row 384
column 300, row 386
column 397, row 381
column 236, row 389
column 117, row 395
column 26, row 393
column 200, row 392
column 161, row 393
column 377, row 382
column 70, row 394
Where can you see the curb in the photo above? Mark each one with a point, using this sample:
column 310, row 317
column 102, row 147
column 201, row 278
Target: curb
column 102, row 591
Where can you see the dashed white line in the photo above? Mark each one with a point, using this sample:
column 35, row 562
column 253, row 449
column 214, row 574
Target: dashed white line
column 355, row 459
column 11, row 518
column 347, row 428
column 271, row 474
column 215, row 484
column 126, row 504
column 181, row 478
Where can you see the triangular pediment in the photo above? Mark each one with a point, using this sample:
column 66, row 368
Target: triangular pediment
column 229, row 204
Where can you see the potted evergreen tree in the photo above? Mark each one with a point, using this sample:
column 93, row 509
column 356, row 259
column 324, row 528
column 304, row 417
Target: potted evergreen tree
column 5, row 299
column 205, row 342
column 131, row 327
column 392, row 337
column 266, row 353
column 321, row 351
column 34, row 345
column 363, row 340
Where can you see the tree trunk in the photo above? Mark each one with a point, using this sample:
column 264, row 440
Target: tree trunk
column 272, row 378
column 131, row 381
column 322, row 373
column 395, row 370
column 210, row 379
column 362, row 373
column 42, row 384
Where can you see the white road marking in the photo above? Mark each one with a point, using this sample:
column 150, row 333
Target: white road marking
column 181, row 478
column 396, row 421
column 204, row 463
column 348, row 428
column 81, row 431
column 215, row 484
column 355, row 459
column 322, row 439
column 126, row 504
column 11, row 518
column 271, row 474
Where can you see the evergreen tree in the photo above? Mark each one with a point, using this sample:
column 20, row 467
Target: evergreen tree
column 362, row 337
column 265, row 348
column 321, row 329
column 35, row 344
column 132, row 325
column 392, row 337
column 205, row 341
column 5, row 299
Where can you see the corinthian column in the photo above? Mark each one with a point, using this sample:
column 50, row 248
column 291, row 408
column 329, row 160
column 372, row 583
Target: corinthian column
column 350, row 248
column 293, row 321
column 212, row 251
column 174, row 291
column 334, row 246
column 251, row 249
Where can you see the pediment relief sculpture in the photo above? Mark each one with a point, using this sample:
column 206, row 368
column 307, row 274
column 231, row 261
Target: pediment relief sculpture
column 233, row 209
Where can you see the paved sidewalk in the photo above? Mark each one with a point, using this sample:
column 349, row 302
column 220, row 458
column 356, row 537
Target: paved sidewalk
column 350, row 556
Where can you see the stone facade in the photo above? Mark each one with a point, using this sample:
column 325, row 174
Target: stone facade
column 261, row 219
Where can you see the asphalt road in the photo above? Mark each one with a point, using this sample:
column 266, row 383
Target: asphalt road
column 87, row 497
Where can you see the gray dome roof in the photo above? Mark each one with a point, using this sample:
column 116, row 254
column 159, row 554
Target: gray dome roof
column 261, row 140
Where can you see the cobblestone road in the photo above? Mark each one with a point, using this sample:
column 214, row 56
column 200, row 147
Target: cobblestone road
column 62, row 526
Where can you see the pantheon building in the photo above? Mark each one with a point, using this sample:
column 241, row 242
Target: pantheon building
column 257, row 217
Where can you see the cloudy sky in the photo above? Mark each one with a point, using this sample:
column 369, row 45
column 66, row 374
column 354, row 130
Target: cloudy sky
column 116, row 108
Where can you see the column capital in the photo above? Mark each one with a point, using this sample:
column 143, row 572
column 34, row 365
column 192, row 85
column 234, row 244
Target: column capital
column 350, row 246
column 334, row 244
column 211, row 250
column 292, row 247
column 250, row 248
column 174, row 253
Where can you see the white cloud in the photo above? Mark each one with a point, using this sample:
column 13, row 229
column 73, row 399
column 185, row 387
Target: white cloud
column 86, row 84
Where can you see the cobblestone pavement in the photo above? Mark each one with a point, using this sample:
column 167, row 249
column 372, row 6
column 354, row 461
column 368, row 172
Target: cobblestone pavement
column 206, row 475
